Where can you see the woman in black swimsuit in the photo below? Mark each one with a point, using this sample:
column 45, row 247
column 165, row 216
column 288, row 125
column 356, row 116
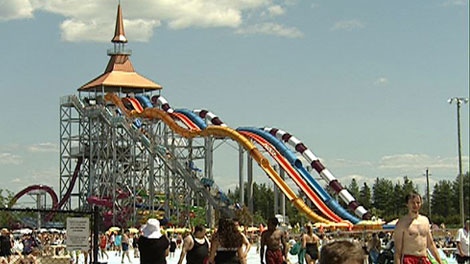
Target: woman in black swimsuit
column 310, row 242
column 227, row 244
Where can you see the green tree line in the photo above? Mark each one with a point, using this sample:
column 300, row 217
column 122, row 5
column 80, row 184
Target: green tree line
column 385, row 199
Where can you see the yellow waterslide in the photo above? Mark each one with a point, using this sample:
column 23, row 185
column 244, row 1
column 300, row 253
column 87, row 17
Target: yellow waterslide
column 155, row 113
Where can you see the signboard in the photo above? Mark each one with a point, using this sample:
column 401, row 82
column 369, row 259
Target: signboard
column 78, row 233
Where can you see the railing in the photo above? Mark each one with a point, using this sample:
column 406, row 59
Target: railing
column 212, row 193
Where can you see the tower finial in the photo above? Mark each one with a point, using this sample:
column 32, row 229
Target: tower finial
column 119, row 35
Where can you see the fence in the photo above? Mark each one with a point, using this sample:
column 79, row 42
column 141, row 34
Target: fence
column 41, row 236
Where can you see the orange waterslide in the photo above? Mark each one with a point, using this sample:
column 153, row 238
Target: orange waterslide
column 154, row 113
column 295, row 176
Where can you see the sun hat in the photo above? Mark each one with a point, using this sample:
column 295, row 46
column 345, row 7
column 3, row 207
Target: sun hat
column 152, row 229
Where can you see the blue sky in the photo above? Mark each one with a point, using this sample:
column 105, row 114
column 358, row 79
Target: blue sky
column 364, row 84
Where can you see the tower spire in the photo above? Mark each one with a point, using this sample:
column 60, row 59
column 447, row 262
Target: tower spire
column 119, row 74
column 119, row 35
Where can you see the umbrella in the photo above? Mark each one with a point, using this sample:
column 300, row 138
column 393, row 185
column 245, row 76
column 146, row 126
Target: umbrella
column 114, row 228
column 133, row 230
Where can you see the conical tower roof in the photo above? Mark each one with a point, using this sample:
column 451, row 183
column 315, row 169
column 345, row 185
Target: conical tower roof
column 120, row 75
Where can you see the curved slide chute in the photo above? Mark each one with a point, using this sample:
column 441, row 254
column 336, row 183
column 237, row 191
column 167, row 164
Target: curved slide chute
column 187, row 122
column 319, row 191
column 134, row 103
column 223, row 132
column 70, row 188
column 296, row 177
column 207, row 115
column 56, row 204
column 105, row 202
column 32, row 188
column 280, row 160
column 314, row 161
column 317, row 188
column 144, row 101
column 194, row 118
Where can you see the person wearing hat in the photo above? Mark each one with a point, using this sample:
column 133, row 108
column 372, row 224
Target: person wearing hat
column 154, row 247
column 462, row 240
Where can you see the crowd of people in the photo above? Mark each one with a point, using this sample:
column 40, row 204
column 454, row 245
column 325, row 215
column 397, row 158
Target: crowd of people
column 408, row 243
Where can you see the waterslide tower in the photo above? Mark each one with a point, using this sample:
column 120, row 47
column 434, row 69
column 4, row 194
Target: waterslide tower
column 128, row 165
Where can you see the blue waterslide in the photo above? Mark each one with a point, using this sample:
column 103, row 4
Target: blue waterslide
column 193, row 117
column 296, row 163
column 144, row 101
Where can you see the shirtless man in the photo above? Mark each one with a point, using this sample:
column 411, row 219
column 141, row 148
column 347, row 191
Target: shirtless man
column 412, row 235
column 275, row 242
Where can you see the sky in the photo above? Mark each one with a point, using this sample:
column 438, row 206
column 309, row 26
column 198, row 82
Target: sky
column 363, row 84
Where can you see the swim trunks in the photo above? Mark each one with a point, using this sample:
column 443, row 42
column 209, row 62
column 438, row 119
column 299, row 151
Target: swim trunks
column 410, row 259
column 274, row 256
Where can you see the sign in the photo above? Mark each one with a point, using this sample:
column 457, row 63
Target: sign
column 78, row 233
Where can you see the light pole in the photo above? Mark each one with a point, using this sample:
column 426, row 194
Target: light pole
column 428, row 197
column 459, row 101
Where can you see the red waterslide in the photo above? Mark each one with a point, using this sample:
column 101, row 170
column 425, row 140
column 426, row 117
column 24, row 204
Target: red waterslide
column 294, row 175
column 56, row 205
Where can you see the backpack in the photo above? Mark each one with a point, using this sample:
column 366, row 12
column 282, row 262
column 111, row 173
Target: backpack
column 295, row 249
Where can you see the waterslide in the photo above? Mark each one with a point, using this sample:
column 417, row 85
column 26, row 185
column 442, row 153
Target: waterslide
column 314, row 161
column 287, row 167
column 134, row 103
column 318, row 190
column 313, row 184
column 32, row 188
column 295, row 176
column 215, row 120
column 155, row 113
column 56, row 205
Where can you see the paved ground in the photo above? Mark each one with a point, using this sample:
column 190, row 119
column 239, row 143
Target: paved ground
column 253, row 257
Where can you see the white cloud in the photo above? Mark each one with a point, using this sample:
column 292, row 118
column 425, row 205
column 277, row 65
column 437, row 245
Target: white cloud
column 381, row 81
column 271, row 29
column 44, row 147
column 275, row 10
column 348, row 25
column 8, row 158
column 78, row 30
column 90, row 20
column 418, row 162
column 360, row 179
column 15, row 9
column 344, row 163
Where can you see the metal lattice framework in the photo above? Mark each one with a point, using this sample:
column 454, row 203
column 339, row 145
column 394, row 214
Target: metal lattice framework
column 128, row 169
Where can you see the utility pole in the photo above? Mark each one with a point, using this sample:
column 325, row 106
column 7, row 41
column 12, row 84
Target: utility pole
column 427, row 193
column 459, row 101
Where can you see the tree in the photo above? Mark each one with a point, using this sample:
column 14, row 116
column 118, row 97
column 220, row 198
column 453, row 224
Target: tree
column 353, row 188
column 398, row 203
column 466, row 194
column 5, row 197
column 365, row 196
column 383, row 191
column 441, row 201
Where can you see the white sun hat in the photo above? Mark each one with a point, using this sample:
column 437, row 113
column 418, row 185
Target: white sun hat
column 152, row 229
